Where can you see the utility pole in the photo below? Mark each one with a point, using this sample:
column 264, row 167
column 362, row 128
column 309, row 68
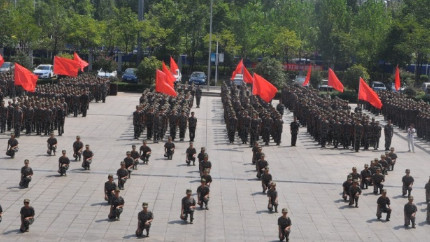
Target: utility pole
column 216, row 64
column 140, row 8
column 210, row 48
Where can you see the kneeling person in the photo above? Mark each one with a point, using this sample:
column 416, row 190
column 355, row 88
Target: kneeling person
column 144, row 219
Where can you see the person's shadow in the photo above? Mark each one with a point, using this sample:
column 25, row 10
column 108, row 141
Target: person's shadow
column 12, row 231
column 178, row 222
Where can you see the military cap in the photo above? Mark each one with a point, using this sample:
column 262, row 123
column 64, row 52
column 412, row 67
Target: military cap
column 78, row 137
column 203, row 180
column 87, row 145
column 128, row 153
column 384, row 190
column 273, row 184
column 349, row 177
column 284, row 210
column 262, row 154
column 407, row 171
column 188, row 191
column 355, row 180
column 354, row 168
column 376, row 159
column 205, row 155
column 122, row 163
column 26, row 200
column 26, row 161
column 117, row 189
column 145, row 205
column 366, row 165
column 411, row 198
column 110, row 175
column 63, row 151
column 133, row 146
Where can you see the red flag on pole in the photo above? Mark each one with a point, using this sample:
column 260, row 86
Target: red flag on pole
column 247, row 77
column 81, row 62
column 397, row 79
column 169, row 75
column 308, row 76
column 238, row 70
column 66, row 67
column 333, row 81
column 162, row 85
column 173, row 66
column 366, row 93
column 263, row 88
column 25, row 78
column 1, row 60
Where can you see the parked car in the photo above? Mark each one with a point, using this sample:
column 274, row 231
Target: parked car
column 198, row 78
column 178, row 76
column 7, row 67
column 299, row 80
column 44, row 71
column 425, row 86
column 101, row 73
column 130, row 75
column 378, row 86
column 238, row 80
column 393, row 88
column 323, row 86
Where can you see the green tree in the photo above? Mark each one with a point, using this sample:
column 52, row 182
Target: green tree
column 127, row 26
column 287, row 43
column 352, row 76
column 272, row 70
column 146, row 70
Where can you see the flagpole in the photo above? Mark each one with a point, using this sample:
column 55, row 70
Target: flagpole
column 210, row 48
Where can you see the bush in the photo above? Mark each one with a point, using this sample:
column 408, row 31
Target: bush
column 105, row 63
column 146, row 70
column 410, row 92
column 272, row 70
column 353, row 74
column 66, row 55
column 22, row 59
column 315, row 78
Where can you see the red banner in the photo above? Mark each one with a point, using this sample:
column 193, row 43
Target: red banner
column 301, row 67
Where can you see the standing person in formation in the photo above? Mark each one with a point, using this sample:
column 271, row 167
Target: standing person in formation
column 383, row 205
column 284, row 226
column 411, row 142
column 27, row 216
column 145, row 153
column 388, row 134
column 408, row 182
column 52, row 144
column 169, row 148
column 77, row 148
column 191, row 155
column 135, row 155
column 1, row 213
column 188, row 206
column 427, row 187
column 203, row 194
column 294, row 130
column 88, row 157
column 410, row 211
column 26, row 174
column 192, row 125
column 144, row 220
column 63, row 163
column 122, row 175
column 182, row 125
column 110, row 187
column 198, row 95
column 116, row 207
column 12, row 146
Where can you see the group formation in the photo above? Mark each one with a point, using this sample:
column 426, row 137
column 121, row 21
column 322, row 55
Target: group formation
column 160, row 114
column 269, row 187
column 45, row 110
column 331, row 121
column 374, row 175
column 250, row 116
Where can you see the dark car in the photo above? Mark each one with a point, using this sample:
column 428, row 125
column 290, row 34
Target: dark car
column 130, row 75
column 198, row 78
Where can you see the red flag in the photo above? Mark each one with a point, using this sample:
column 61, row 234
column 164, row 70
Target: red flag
column 162, row 85
column 308, row 76
column 333, row 81
column 397, row 79
column 263, row 88
column 1, row 60
column 238, row 70
column 81, row 62
column 25, row 78
column 366, row 93
column 173, row 66
column 247, row 76
column 169, row 75
column 66, row 67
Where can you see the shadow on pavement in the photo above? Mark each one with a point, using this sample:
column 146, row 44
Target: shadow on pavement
column 12, row 231
column 178, row 222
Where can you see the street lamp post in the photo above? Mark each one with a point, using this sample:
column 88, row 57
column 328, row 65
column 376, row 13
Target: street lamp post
column 210, row 48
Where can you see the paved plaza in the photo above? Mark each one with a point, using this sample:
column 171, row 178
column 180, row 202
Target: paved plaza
column 308, row 181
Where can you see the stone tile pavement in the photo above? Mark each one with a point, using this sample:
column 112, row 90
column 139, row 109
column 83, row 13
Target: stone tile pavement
column 309, row 184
